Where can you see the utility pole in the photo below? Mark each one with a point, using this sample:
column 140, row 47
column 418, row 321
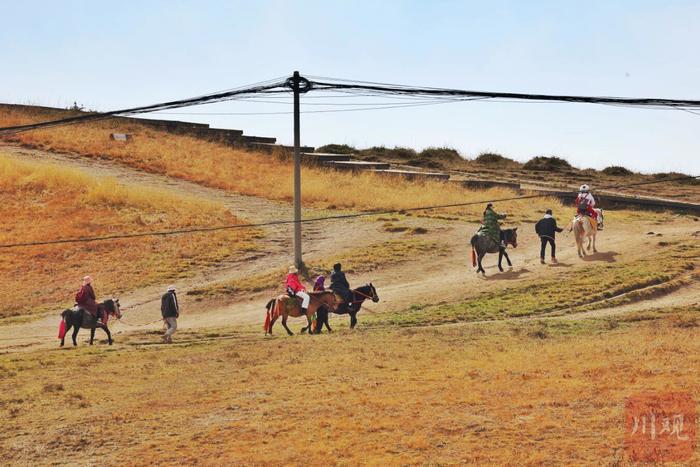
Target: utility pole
column 295, row 82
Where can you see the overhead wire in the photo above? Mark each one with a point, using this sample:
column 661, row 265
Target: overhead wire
column 337, row 84
column 383, row 107
column 281, row 86
column 268, row 87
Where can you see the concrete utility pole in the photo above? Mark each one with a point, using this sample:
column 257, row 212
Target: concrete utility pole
column 297, row 173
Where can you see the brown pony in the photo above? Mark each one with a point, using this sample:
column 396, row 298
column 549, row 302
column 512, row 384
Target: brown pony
column 286, row 306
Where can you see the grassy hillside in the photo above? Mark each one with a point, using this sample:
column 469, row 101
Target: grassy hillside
column 247, row 172
column 516, row 393
column 43, row 201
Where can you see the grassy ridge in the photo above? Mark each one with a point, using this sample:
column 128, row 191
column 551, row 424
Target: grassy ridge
column 43, row 201
column 580, row 290
column 248, row 172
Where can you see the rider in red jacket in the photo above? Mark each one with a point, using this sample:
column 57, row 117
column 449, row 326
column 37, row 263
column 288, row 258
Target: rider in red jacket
column 295, row 287
column 586, row 201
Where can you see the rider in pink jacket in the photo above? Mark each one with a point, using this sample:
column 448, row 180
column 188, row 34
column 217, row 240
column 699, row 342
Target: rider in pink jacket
column 295, row 287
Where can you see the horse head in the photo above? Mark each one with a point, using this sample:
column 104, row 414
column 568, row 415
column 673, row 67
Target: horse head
column 510, row 236
column 113, row 308
column 368, row 291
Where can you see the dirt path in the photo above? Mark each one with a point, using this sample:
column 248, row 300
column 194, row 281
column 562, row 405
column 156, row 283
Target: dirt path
column 423, row 280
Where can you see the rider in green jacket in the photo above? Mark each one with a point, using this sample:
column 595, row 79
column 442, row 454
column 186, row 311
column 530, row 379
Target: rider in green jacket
column 491, row 225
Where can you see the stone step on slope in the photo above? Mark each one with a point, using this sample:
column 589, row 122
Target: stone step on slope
column 413, row 174
column 320, row 157
column 357, row 165
column 268, row 147
column 257, row 139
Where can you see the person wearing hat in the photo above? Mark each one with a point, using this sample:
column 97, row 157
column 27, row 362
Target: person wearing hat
column 585, row 205
column 86, row 298
column 170, row 310
column 547, row 229
column 296, row 289
column 491, row 225
column 340, row 285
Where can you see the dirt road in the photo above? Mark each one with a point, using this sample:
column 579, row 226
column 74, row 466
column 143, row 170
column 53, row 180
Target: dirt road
column 429, row 279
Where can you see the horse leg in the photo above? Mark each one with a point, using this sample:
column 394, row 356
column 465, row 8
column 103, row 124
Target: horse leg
column 309, row 324
column 507, row 258
column 594, row 250
column 481, row 268
column 92, row 332
column 353, row 320
column 284, row 323
column 76, row 328
column 500, row 259
column 109, row 334
column 269, row 329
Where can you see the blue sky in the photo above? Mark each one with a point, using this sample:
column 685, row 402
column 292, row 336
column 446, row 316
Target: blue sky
column 109, row 55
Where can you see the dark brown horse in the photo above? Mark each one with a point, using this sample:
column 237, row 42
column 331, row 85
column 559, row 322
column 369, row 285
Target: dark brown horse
column 359, row 295
column 286, row 306
column 482, row 244
column 78, row 318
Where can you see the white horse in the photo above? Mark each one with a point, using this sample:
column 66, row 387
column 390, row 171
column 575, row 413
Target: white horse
column 585, row 227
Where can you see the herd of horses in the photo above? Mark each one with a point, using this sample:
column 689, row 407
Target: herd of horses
column 326, row 302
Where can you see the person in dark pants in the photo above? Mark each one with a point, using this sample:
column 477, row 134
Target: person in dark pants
column 547, row 229
column 170, row 310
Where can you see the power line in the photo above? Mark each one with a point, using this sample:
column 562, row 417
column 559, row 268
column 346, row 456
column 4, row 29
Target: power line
column 312, row 220
column 385, row 88
column 382, row 107
column 280, row 86
column 267, row 87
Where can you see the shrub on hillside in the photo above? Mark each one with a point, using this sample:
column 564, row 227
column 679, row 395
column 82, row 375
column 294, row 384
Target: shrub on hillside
column 684, row 181
column 390, row 153
column 425, row 162
column 491, row 158
column 547, row 164
column 617, row 171
column 336, row 149
column 444, row 153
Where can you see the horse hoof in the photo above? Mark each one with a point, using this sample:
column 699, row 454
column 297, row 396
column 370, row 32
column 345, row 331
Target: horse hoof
column 110, row 342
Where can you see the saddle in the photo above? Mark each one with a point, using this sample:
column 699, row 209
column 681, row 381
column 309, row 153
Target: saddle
column 594, row 221
column 101, row 314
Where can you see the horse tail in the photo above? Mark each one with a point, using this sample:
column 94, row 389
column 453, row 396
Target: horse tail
column 62, row 325
column 271, row 306
column 268, row 314
column 473, row 243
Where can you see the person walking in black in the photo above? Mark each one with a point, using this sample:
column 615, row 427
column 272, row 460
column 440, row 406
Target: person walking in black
column 170, row 310
column 547, row 229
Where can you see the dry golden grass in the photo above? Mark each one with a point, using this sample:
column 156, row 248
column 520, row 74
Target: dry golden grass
column 252, row 173
column 356, row 260
column 585, row 289
column 549, row 393
column 43, row 201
